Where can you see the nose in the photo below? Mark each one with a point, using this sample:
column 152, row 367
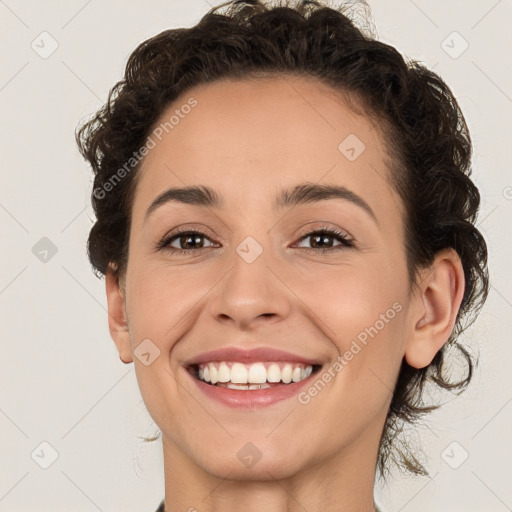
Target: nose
column 251, row 293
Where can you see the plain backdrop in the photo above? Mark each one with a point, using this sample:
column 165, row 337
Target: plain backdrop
column 70, row 411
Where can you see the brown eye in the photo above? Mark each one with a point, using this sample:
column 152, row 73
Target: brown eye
column 322, row 240
column 186, row 241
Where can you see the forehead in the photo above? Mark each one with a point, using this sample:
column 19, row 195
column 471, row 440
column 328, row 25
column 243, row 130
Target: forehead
column 244, row 137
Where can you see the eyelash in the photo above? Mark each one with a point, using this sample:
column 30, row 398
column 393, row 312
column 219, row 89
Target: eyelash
column 346, row 241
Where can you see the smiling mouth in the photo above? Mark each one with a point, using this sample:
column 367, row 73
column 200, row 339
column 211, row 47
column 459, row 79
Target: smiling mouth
column 258, row 375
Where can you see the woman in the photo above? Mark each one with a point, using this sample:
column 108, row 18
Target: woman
column 286, row 225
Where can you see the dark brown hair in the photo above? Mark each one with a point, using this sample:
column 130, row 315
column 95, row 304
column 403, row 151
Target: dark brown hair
column 429, row 141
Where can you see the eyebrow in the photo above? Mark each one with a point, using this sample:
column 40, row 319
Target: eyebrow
column 303, row 193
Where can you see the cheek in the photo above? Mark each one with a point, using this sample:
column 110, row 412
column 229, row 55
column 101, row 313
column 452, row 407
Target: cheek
column 158, row 296
column 362, row 312
column 354, row 303
column 160, row 308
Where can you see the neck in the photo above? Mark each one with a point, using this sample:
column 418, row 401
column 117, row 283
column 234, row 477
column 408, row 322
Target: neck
column 344, row 482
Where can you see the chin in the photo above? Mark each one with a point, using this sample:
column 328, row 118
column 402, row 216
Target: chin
column 247, row 462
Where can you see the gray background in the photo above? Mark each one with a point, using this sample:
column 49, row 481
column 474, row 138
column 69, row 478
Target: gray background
column 61, row 380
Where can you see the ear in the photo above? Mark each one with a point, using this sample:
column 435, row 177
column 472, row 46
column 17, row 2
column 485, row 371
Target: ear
column 117, row 320
column 437, row 300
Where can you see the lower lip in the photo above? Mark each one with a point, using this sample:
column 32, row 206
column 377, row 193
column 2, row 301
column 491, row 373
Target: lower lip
column 251, row 398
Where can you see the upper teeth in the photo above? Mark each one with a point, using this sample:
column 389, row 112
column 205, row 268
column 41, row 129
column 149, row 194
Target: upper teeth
column 256, row 373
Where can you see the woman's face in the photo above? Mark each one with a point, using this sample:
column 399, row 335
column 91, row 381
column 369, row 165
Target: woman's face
column 255, row 277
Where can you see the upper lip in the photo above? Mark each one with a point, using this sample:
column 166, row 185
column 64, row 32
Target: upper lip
column 254, row 355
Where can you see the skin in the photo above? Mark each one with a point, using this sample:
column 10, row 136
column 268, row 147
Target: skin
column 247, row 140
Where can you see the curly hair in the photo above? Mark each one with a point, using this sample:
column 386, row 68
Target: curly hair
column 428, row 138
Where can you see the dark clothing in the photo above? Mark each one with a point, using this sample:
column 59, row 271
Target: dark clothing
column 162, row 509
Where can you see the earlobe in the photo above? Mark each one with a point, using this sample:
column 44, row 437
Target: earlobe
column 436, row 304
column 117, row 320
